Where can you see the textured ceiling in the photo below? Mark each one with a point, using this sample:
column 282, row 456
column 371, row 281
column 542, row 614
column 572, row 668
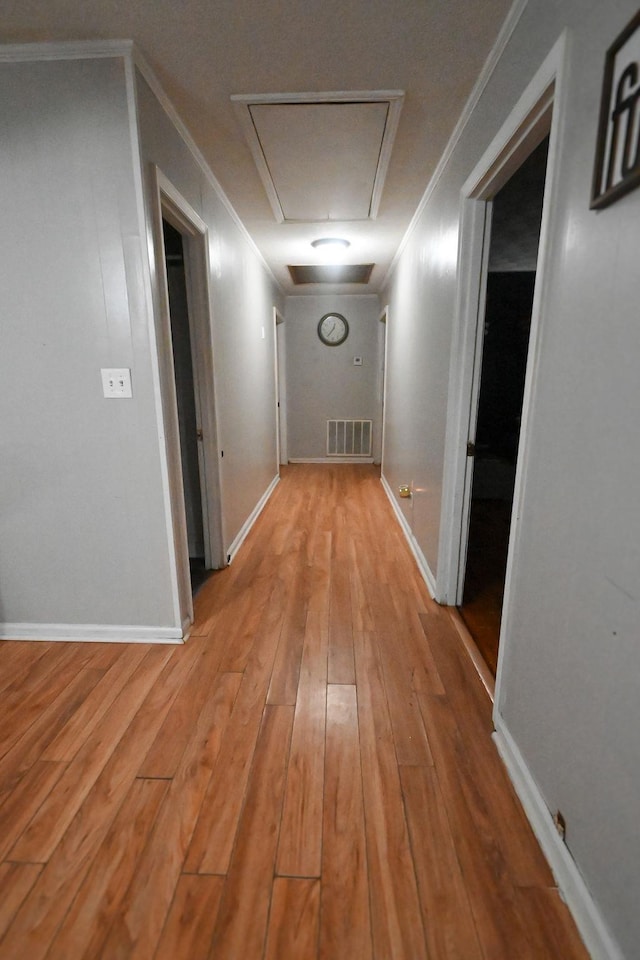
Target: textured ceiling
column 203, row 51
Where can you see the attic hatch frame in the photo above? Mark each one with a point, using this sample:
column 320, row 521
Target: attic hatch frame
column 393, row 98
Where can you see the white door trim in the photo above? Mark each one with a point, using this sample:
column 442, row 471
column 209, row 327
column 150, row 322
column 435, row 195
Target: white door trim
column 384, row 318
column 171, row 205
column 530, row 120
column 277, row 320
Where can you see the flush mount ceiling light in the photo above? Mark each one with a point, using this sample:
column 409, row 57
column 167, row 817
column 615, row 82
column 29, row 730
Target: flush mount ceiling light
column 332, row 243
column 330, row 249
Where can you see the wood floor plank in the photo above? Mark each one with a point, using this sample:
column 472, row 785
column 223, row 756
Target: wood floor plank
column 446, row 910
column 486, row 871
column 189, row 928
column 87, row 923
column 136, row 930
column 395, row 907
column 345, row 920
column 294, row 919
column 213, row 838
column 286, row 670
column 409, row 735
column 246, row 615
column 16, row 880
column 54, row 816
column 241, row 925
column 25, row 800
column 32, row 745
column 23, row 702
column 551, row 929
column 17, row 659
column 84, row 720
column 40, row 916
column 300, row 847
column 489, row 791
column 341, row 663
column 176, row 731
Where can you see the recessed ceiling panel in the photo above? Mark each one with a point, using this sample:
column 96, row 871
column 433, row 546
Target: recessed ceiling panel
column 330, row 273
column 322, row 157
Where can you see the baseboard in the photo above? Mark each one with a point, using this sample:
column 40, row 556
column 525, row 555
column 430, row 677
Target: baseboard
column 593, row 930
column 91, row 633
column 330, row 460
column 251, row 519
column 420, row 558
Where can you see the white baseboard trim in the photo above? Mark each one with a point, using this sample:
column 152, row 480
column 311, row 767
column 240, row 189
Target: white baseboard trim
column 593, row 930
column 330, row 460
column 420, row 558
column 92, row 633
column 251, row 519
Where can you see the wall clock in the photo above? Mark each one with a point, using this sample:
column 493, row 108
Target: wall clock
column 333, row 329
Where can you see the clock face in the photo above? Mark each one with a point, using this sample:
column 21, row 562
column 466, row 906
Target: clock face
column 333, row 329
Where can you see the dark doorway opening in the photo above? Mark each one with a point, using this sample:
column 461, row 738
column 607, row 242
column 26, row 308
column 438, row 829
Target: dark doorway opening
column 515, row 234
column 186, row 400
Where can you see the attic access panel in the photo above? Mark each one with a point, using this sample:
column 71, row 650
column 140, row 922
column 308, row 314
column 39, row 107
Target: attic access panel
column 322, row 156
column 331, row 273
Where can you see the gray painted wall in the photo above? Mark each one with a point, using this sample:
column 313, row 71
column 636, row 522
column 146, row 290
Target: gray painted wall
column 570, row 691
column 322, row 382
column 82, row 529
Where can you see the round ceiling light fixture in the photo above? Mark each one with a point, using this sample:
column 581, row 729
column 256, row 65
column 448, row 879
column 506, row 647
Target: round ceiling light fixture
column 330, row 248
column 331, row 241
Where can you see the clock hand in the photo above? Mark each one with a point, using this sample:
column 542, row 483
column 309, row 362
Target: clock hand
column 331, row 331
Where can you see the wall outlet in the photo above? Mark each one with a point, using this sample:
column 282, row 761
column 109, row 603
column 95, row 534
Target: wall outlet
column 116, row 383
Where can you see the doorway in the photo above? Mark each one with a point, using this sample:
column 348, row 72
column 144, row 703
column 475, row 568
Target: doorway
column 187, row 393
column 188, row 429
column 504, row 347
column 281, row 389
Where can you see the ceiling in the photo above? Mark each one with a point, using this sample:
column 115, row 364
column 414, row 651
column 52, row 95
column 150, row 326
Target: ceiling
column 205, row 52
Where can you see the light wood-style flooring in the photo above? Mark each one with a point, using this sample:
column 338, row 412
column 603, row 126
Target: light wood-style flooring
column 311, row 776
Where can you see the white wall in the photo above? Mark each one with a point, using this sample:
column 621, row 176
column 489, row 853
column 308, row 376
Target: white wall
column 569, row 692
column 82, row 530
column 322, row 382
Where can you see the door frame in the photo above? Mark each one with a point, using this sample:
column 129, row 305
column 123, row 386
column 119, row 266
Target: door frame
column 170, row 205
column 383, row 318
column 535, row 115
column 281, row 438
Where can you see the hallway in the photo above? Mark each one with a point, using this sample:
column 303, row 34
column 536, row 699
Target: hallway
column 311, row 775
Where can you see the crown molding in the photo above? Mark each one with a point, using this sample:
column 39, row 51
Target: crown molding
column 147, row 72
column 93, row 50
column 65, row 50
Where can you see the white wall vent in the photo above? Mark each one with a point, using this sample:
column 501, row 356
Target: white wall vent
column 349, row 438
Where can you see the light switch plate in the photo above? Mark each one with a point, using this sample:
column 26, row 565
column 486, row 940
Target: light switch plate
column 357, row 361
column 116, row 383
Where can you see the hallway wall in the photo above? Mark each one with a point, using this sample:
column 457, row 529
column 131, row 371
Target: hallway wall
column 569, row 680
column 322, row 382
column 82, row 530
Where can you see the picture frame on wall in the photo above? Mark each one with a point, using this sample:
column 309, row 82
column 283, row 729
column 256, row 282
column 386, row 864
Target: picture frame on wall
column 617, row 163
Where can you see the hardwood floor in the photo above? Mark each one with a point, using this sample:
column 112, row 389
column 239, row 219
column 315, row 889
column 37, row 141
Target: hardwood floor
column 311, row 776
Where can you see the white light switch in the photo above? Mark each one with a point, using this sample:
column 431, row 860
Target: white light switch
column 357, row 361
column 116, row 383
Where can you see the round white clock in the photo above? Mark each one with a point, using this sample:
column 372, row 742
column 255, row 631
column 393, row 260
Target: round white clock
column 333, row 329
